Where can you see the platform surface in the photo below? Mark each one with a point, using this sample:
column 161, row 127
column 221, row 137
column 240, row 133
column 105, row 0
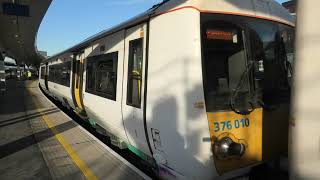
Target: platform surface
column 38, row 141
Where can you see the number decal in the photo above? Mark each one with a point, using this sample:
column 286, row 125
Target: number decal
column 236, row 124
column 223, row 125
column 216, row 127
column 247, row 122
column 242, row 122
column 229, row 125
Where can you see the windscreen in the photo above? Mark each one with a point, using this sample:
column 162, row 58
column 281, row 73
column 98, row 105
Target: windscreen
column 247, row 61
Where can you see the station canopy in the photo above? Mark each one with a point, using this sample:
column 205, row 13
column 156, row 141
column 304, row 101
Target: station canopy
column 20, row 21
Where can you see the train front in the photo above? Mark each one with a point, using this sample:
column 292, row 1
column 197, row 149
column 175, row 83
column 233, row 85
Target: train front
column 247, row 69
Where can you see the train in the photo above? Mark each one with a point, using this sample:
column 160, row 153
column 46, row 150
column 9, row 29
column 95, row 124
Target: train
column 199, row 89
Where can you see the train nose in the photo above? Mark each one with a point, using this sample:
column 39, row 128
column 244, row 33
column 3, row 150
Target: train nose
column 226, row 148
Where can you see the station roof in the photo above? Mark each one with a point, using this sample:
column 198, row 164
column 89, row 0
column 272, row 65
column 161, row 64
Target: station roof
column 20, row 21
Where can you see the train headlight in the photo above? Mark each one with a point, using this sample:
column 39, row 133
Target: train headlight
column 226, row 148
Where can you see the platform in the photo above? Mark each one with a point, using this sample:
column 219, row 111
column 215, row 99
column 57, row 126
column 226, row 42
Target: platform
column 38, row 141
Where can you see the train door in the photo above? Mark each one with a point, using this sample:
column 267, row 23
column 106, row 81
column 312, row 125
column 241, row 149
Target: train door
column 77, row 81
column 133, row 93
column 46, row 77
column 225, row 66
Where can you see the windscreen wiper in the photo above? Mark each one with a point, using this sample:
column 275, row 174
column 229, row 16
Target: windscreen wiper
column 238, row 88
column 283, row 53
column 286, row 63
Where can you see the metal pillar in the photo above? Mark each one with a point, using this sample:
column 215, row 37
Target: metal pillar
column 1, row 57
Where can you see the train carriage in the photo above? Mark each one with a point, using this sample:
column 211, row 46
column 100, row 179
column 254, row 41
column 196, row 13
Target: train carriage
column 200, row 89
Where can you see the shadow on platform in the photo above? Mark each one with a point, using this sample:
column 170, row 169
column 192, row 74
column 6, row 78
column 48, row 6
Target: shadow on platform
column 22, row 143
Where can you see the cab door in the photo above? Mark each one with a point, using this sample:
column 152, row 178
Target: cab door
column 133, row 93
column 77, row 81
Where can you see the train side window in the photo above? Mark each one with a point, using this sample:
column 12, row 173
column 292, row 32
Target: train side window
column 57, row 73
column 135, row 73
column 51, row 73
column 105, row 76
column 65, row 74
column 43, row 71
column 91, row 76
column 102, row 75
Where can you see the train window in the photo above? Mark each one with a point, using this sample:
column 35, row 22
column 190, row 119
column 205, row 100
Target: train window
column 135, row 73
column 273, row 56
column 57, row 73
column 247, row 62
column 64, row 74
column 77, row 72
column 225, row 63
column 288, row 39
column 51, row 73
column 105, row 77
column 60, row 73
column 91, row 76
column 102, row 75
column 43, row 72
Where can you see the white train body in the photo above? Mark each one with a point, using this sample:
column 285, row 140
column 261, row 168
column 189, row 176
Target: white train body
column 163, row 117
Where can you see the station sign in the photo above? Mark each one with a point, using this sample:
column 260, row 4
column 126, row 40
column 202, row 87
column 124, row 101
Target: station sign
column 15, row 9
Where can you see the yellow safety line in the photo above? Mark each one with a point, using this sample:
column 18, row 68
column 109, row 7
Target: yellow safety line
column 71, row 152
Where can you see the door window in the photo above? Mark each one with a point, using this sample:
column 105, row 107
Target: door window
column 135, row 73
column 77, row 73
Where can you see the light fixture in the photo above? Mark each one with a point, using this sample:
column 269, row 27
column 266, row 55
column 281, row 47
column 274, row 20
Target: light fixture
column 226, row 148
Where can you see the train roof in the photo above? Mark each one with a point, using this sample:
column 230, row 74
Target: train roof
column 264, row 9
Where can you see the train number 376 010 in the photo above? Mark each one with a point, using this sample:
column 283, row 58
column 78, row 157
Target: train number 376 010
column 232, row 124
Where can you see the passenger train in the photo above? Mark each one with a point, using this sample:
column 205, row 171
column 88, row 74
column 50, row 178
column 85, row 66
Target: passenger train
column 199, row 89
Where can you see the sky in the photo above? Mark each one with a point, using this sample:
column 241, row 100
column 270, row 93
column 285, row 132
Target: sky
column 68, row 22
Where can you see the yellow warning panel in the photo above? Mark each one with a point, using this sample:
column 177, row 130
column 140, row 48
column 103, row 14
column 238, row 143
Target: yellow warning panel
column 245, row 129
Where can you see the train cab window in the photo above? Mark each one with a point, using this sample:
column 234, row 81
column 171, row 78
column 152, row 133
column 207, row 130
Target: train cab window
column 273, row 55
column 225, row 64
column 135, row 73
column 102, row 75
column 247, row 62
